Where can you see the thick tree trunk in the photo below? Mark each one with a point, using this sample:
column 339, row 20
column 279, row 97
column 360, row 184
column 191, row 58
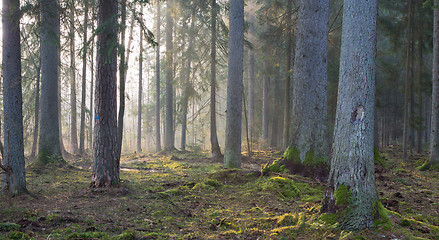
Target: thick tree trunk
column 158, row 147
column 287, row 117
column 49, row 143
column 106, row 167
column 139, row 105
column 216, row 150
column 352, row 165
column 73, row 119
column 310, row 123
column 434, row 136
column 84, row 82
column 13, row 159
column 169, row 120
column 232, row 156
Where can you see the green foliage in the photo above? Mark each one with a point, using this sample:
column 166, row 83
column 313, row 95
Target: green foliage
column 44, row 158
column 213, row 183
column 287, row 220
column 274, row 167
column 5, row 227
column 18, row 235
column 405, row 223
column 88, row 235
column 342, row 196
column 127, row 235
column 381, row 216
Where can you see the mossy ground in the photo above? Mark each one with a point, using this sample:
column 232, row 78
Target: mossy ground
column 187, row 196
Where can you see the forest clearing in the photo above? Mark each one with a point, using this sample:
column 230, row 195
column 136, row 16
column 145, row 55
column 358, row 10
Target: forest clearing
column 186, row 196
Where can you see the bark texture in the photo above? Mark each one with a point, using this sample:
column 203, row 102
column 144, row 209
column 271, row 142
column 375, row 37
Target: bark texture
column 106, row 168
column 434, row 136
column 49, row 144
column 352, row 165
column 287, row 97
column 251, row 79
column 12, row 101
column 169, row 120
column 140, row 95
column 265, row 104
column 232, row 156
column 309, row 128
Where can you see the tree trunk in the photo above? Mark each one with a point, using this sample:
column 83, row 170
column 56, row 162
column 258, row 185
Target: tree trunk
column 276, row 102
column 265, row 103
column 309, row 127
column 122, row 72
column 106, row 167
column 13, row 159
column 139, row 107
column 158, row 147
column 37, row 113
column 232, row 156
column 90, row 127
column 408, row 80
column 434, row 136
column 169, row 120
column 187, row 87
column 84, row 82
column 352, row 166
column 287, row 117
column 420, row 122
column 73, row 119
column 216, row 150
column 49, row 144
column 251, row 81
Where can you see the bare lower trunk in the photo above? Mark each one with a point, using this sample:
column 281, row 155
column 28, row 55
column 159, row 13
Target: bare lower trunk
column 84, row 82
column 434, row 136
column 139, row 106
column 158, row 147
column 169, row 120
column 287, row 117
column 265, row 105
column 73, row 119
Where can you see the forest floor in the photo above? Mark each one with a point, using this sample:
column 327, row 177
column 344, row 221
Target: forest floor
column 187, row 196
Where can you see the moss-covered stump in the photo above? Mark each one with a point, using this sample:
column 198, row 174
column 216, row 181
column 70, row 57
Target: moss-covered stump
column 312, row 166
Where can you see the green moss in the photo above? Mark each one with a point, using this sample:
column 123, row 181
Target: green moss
column 45, row 158
column 285, row 187
column 381, row 216
column 329, row 218
column 274, row 167
column 405, row 223
column 342, row 196
column 287, row 220
column 5, row 227
column 88, row 235
column 312, row 160
column 377, row 157
column 18, row 235
column 213, row 183
column 425, row 166
column 127, row 235
column 292, row 154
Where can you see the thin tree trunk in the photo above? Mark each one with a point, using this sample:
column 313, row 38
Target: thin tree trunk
column 407, row 82
column 122, row 72
column 187, row 86
column 251, row 81
column 265, row 104
column 73, row 119
column 216, row 150
column 158, row 147
column 37, row 113
column 84, row 82
column 276, row 102
column 139, row 107
column 420, row 123
column 287, row 117
column 232, row 156
column 434, row 134
column 169, row 120
column 91, row 89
